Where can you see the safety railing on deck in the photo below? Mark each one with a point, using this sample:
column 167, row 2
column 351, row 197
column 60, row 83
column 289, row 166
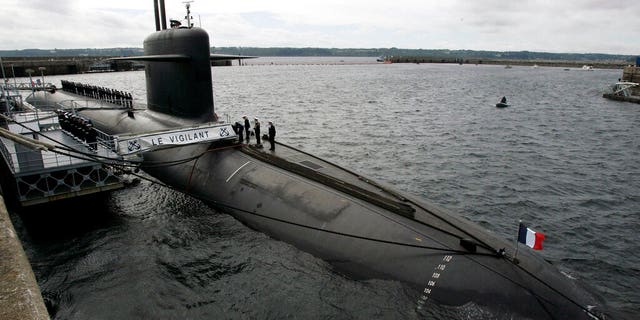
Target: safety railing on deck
column 29, row 86
column 21, row 160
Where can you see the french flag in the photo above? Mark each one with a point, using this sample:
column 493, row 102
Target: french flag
column 530, row 238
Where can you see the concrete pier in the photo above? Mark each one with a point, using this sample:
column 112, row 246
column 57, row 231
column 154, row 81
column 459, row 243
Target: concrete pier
column 20, row 296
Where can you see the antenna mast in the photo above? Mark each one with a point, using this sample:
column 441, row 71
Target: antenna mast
column 188, row 17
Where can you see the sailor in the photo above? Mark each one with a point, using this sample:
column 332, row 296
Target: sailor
column 503, row 100
column 272, row 136
column 247, row 126
column 92, row 136
column 239, row 129
column 256, row 129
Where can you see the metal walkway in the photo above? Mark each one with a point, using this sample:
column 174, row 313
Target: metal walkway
column 42, row 175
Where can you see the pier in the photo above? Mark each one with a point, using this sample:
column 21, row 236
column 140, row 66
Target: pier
column 20, row 296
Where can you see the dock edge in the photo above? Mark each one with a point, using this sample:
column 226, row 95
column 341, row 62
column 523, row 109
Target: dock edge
column 20, row 296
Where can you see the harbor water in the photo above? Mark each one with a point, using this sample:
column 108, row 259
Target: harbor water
column 561, row 158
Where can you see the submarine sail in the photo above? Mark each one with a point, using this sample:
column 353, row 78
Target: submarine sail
column 364, row 228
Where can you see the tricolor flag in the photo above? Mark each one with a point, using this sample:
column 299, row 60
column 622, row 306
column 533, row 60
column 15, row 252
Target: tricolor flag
column 530, row 238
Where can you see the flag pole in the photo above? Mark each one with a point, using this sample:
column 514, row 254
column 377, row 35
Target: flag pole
column 515, row 255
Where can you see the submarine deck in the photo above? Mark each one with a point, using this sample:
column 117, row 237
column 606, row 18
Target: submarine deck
column 342, row 179
column 324, row 172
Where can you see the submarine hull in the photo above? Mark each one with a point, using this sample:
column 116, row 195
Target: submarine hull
column 363, row 228
column 365, row 241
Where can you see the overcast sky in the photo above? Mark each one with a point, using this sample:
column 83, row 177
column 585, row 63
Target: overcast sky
column 577, row 26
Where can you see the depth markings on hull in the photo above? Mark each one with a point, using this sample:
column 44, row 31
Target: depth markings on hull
column 234, row 173
column 437, row 272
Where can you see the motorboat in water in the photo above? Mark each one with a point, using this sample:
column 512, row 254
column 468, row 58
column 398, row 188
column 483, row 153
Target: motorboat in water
column 502, row 103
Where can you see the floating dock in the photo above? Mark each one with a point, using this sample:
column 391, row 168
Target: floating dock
column 41, row 161
column 42, row 175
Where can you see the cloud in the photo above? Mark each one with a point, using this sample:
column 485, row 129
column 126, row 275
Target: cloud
column 534, row 25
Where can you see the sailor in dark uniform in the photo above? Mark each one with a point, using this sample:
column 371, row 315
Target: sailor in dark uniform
column 239, row 129
column 247, row 126
column 272, row 136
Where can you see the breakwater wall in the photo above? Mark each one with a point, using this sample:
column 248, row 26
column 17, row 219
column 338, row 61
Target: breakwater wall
column 512, row 62
column 21, row 66
column 20, row 296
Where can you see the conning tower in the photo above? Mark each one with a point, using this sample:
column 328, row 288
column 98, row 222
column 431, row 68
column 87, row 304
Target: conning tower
column 179, row 80
column 178, row 69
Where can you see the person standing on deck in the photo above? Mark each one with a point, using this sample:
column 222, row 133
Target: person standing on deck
column 240, row 131
column 247, row 126
column 256, row 129
column 272, row 136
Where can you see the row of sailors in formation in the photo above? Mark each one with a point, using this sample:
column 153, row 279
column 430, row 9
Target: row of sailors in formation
column 79, row 127
column 112, row 96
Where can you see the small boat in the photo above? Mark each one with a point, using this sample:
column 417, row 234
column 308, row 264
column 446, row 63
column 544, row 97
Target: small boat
column 502, row 103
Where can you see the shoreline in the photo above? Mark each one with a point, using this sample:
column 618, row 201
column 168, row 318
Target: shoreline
column 21, row 66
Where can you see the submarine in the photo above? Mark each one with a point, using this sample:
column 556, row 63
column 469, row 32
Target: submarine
column 365, row 229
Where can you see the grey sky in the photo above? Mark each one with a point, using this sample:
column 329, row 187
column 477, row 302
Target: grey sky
column 579, row 26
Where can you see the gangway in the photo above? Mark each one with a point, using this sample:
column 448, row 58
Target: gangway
column 50, row 158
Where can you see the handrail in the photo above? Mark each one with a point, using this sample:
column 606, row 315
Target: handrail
column 34, row 160
column 29, row 86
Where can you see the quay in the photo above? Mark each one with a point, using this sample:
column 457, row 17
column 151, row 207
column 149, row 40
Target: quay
column 20, row 296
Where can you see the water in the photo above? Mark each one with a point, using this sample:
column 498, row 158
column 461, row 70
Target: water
column 562, row 158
